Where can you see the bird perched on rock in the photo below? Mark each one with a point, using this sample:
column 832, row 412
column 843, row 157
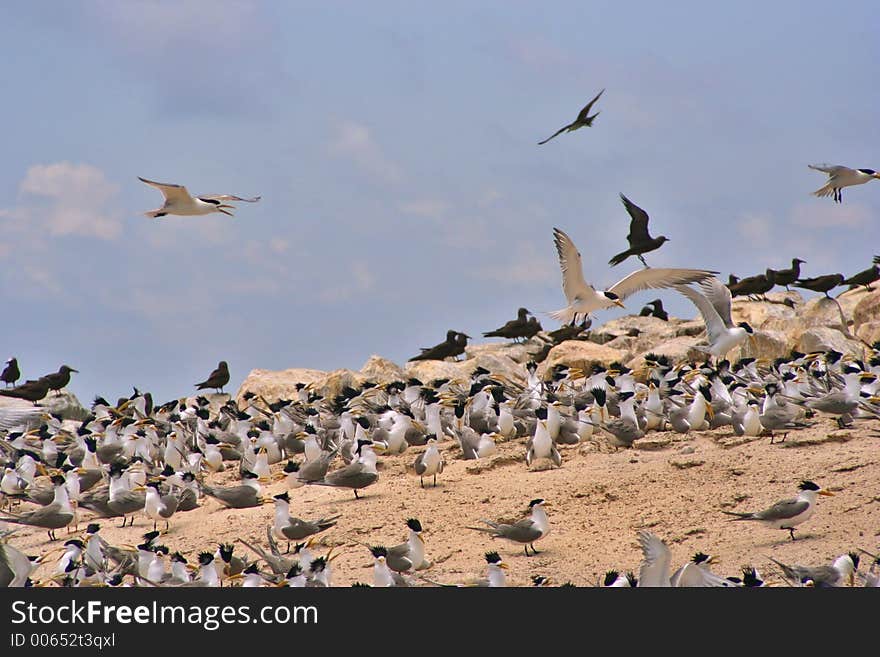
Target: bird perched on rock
column 453, row 345
column 217, row 379
column 752, row 285
column 10, row 373
column 822, row 284
column 840, row 177
column 57, row 380
column 583, row 119
column 512, row 329
column 866, row 276
column 788, row 513
column 640, row 241
column 583, row 299
column 786, row 276
column 655, row 309
column 526, row 531
column 32, row 390
column 178, row 201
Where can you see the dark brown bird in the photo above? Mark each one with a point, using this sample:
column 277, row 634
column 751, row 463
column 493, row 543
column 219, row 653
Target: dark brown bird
column 752, row 285
column 640, row 241
column 453, row 345
column 821, row 284
column 11, row 373
column 655, row 309
column 865, row 277
column 512, row 328
column 787, row 276
column 57, row 380
column 32, row 390
column 583, row 119
column 569, row 331
column 217, row 379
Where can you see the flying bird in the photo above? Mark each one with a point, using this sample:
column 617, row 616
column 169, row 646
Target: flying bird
column 583, row 299
column 713, row 301
column 583, row 119
column 840, row 177
column 179, row 201
column 640, row 241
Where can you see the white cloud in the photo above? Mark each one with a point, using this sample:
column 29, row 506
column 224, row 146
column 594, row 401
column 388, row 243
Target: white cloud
column 756, row 228
column 354, row 142
column 361, row 279
column 77, row 197
column 830, row 215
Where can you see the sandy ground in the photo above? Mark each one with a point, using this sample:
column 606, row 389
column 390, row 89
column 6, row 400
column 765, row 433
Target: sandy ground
column 598, row 500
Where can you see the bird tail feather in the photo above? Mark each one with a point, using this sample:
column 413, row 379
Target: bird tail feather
column 738, row 516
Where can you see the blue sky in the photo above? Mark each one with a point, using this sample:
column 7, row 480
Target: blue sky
column 394, row 146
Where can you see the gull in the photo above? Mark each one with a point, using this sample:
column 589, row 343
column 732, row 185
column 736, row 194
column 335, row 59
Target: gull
column 786, row 514
column 583, row 119
column 179, row 201
column 713, row 302
column 840, row 177
column 583, row 299
column 640, row 241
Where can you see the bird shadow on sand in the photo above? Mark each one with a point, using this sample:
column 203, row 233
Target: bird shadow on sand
column 799, row 538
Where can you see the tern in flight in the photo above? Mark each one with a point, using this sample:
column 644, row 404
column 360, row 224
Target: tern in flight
column 840, row 177
column 584, row 299
column 583, row 119
column 179, row 201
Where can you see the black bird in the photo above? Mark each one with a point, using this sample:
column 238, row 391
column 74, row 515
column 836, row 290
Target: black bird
column 787, row 276
column 865, row 277
column 453, row 345
column 583, row 119
column 569, row 331
column 217, row 379
column 511, row 329
column 57, row 380
column 640, row 241
column 821, row 283
column 752, row 285
column 11, row 373
column 655, row 309
column 33, row 391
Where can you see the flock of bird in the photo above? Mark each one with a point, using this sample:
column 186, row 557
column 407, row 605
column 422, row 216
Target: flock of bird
column 137, row 459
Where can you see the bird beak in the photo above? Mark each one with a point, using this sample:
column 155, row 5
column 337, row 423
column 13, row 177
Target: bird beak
column 220, row 208
column 618, row 302
column 503, row 565
column 710, row 411
column 753, row 340
column 877, row 176
column 827, row 493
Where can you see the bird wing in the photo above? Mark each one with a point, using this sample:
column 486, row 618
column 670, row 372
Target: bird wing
column 584, row 113
column 556, row 134
column 830, row 169
column 229, row 197
column 638, row 227
column 656, row 557
column 783, row 510
column 715, row 315
column 172, row 193
column 573, row 283
column 653, row 278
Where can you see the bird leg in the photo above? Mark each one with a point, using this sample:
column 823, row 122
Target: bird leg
column 646, row 267
column 421, row 482
column 435, row 481
column 356, row 494
column 791, row 532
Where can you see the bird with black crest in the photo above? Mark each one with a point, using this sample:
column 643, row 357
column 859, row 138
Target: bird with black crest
column 526, row 532
column 787, row 513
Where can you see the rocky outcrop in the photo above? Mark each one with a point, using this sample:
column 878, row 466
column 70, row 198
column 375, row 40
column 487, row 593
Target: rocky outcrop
column 783, row 323
column 63, row 404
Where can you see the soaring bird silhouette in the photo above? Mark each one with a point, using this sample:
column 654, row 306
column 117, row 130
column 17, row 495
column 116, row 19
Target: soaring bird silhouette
column 583, row 119
column 640, row 241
